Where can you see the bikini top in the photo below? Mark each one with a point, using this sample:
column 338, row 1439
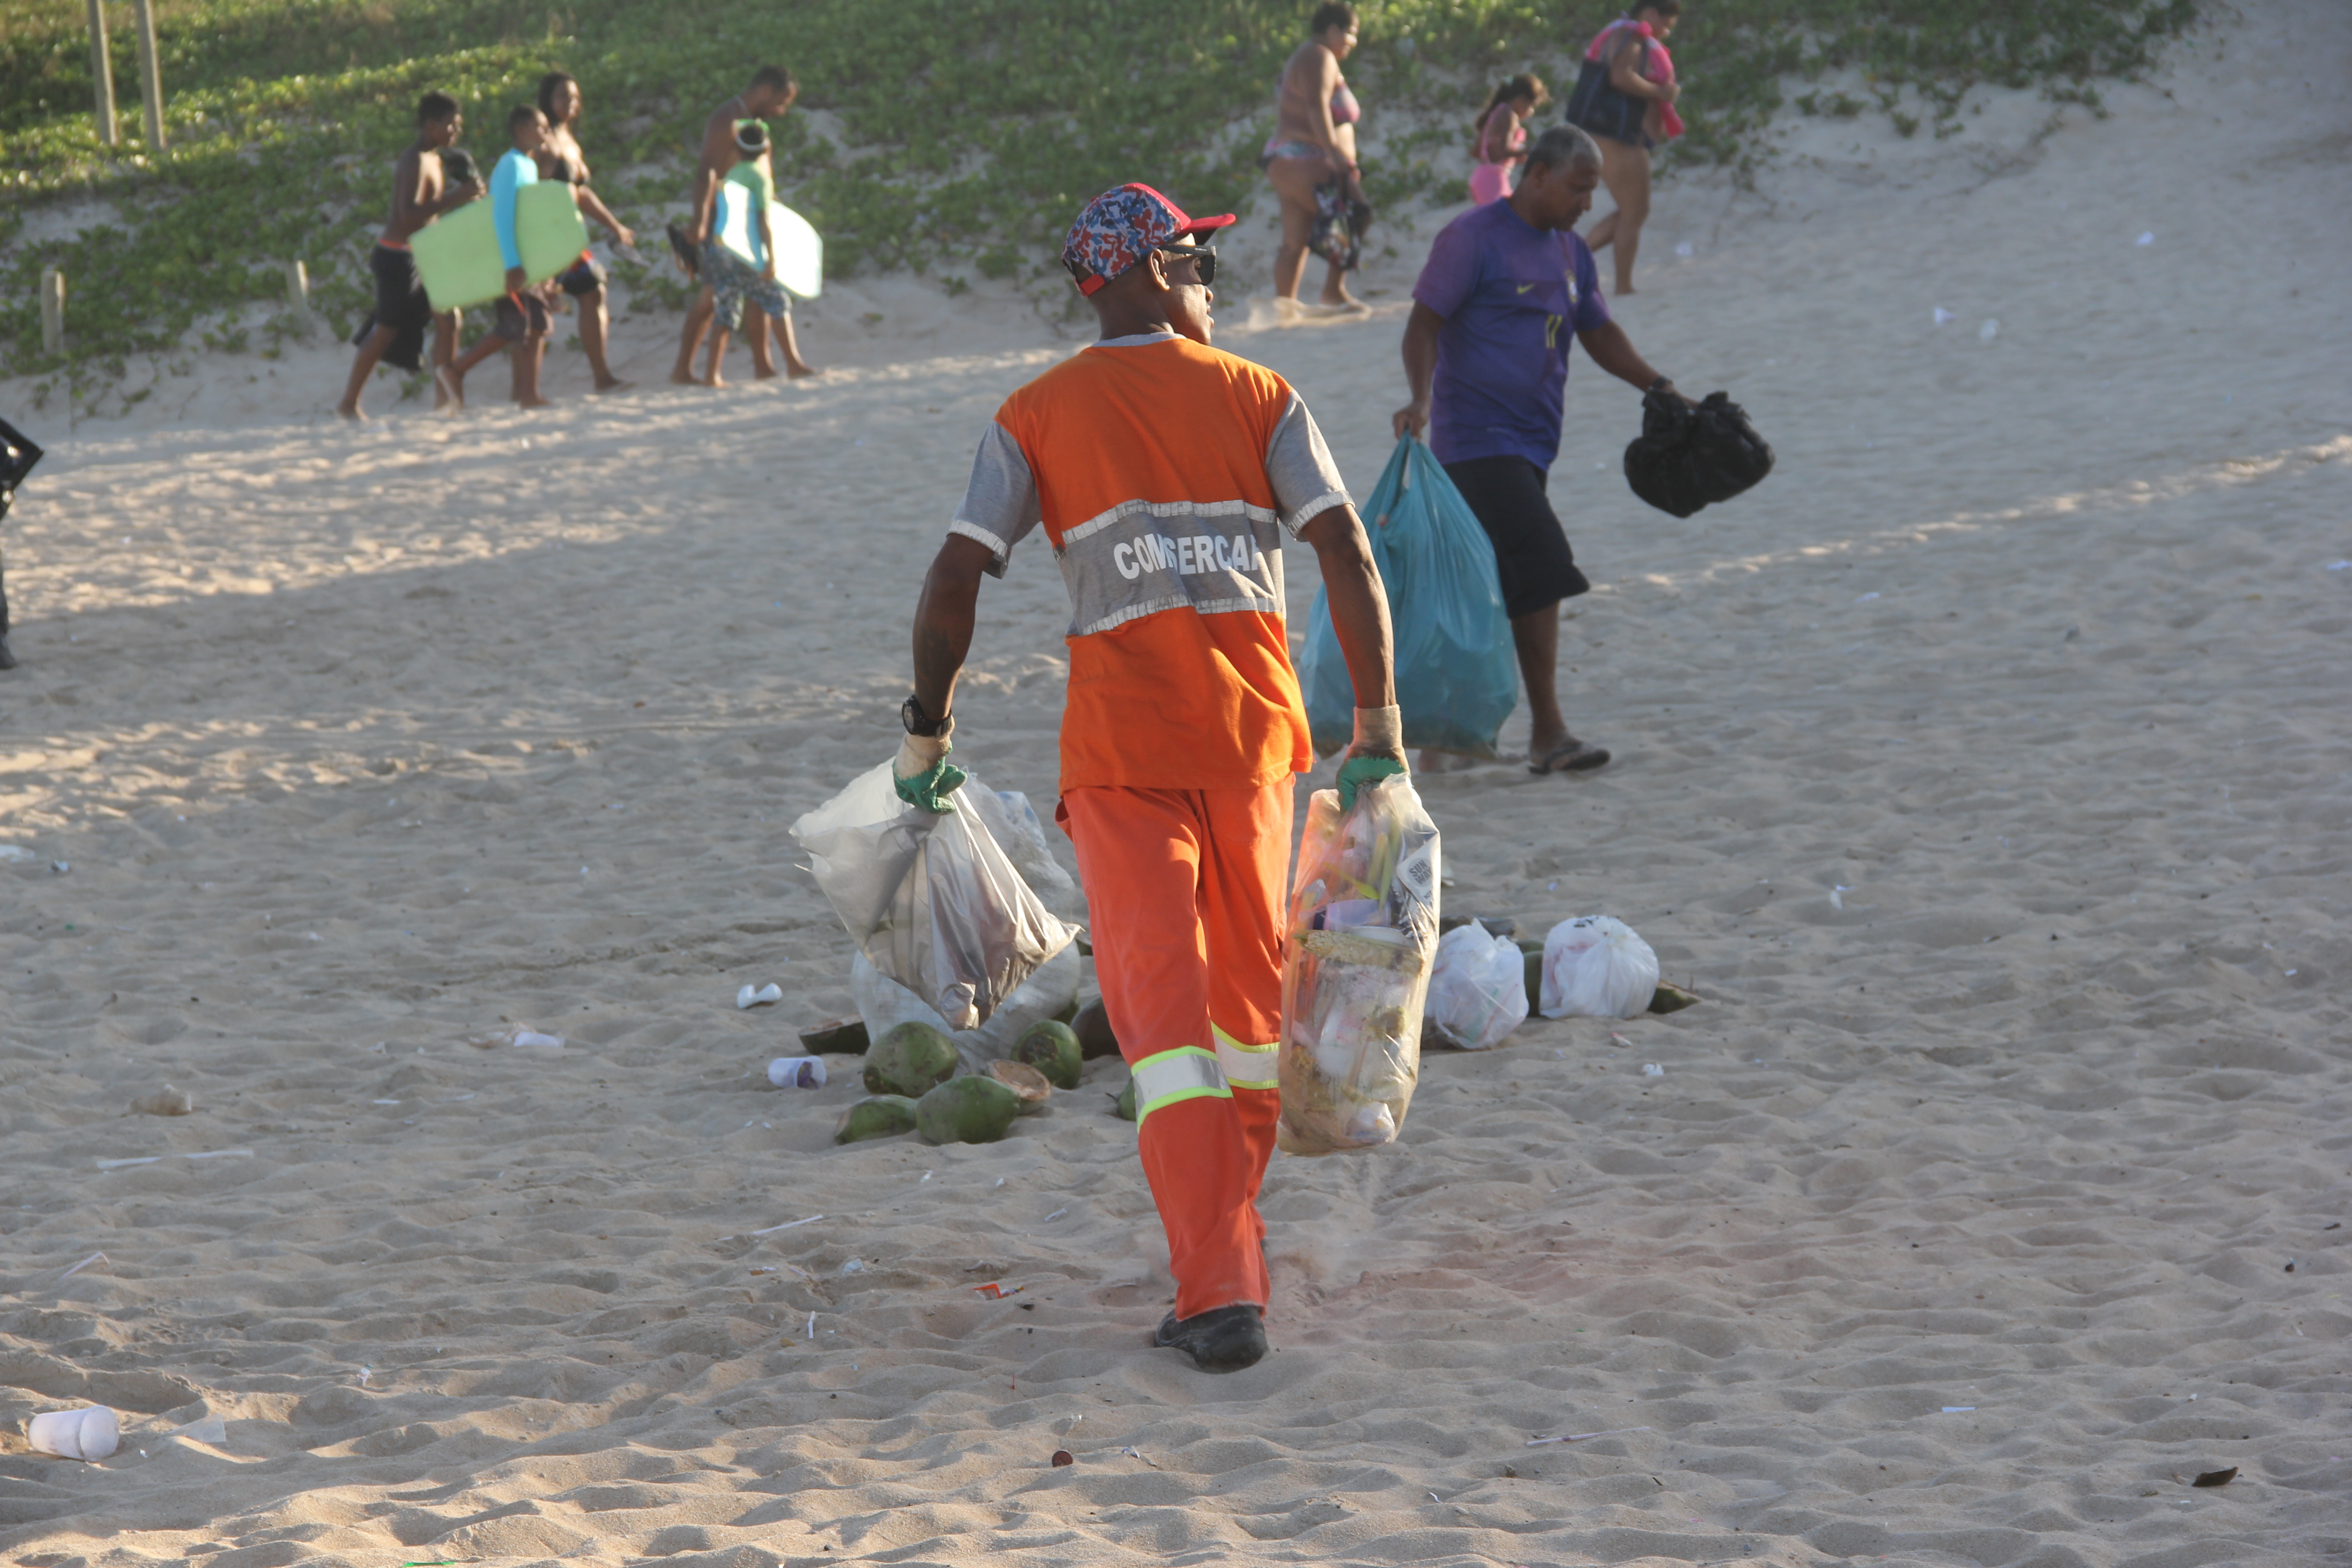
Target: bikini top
column 1344, row 107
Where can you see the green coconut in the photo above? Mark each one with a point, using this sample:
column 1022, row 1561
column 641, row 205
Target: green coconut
column 967, row 1110
column 1534, row 954
column 1053, row 1049
column 1092, row 1025
column 1670, row 998
column 1125, row 1108
column 884, row 1116
column 908, row 1060
column 1025, row 1081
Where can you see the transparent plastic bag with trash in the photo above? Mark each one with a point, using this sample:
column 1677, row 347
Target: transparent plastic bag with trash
column 1362, row 930
column 1595, row 967
column 932, row 902
column 1477, row 989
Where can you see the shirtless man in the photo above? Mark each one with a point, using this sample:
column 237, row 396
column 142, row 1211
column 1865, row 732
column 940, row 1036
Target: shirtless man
column 397, row 331
column 771, row 93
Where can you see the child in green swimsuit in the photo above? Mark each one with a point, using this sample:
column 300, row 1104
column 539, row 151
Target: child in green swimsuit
column 733, row 278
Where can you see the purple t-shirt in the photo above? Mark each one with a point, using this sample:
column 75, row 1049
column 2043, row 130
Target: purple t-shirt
column 1513, row 297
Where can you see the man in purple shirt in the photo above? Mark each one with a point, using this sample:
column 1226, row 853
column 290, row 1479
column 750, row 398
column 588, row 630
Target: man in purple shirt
column 1485, row 354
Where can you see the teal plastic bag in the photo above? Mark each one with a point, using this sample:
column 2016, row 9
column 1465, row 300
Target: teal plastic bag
column 1457, row 676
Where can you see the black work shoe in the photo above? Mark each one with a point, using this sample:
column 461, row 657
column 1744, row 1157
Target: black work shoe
column 1225, row 1339
column 7, row 659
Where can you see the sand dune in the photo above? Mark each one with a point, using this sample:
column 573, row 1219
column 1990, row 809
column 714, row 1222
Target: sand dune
column 360, row 745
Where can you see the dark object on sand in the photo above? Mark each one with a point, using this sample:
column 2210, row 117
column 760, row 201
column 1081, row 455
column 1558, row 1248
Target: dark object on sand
column 1063, row 1457
column 18, row 453
column 845, row 1036
column 1092, row 1025
column 1672, row 998
column 1687, row 458
column 2216, row 1477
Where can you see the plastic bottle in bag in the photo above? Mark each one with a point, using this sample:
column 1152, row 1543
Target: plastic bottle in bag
column 1362, row 930
column 1477, row 988
column 1595, row 967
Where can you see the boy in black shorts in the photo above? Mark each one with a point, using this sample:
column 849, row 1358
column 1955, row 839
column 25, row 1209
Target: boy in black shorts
column 421, row 191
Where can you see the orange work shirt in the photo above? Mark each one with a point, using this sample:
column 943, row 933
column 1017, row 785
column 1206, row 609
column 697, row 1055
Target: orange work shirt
column 1165, row 473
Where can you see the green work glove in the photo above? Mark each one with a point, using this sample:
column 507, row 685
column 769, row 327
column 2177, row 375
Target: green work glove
column 922, row 773
column 1377, row 753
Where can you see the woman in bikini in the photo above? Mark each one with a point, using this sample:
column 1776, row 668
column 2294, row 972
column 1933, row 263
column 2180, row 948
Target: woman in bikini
column 1502, row 130
column 1624, row 97
column 560, row 159
column 1314, row 143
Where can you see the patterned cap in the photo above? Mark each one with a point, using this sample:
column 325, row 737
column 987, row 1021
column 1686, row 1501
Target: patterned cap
column 1120, row 227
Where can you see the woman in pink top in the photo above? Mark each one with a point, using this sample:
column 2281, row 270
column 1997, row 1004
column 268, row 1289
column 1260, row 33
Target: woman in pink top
column 1314, row 143
column 1502, row 141
column 1624, row 97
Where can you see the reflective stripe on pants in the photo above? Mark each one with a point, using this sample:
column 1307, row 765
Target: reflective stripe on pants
column 1184, row 899
column 1186, row 1073
column 1244, row 1066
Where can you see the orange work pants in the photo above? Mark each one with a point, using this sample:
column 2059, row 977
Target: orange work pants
column 1184, row 894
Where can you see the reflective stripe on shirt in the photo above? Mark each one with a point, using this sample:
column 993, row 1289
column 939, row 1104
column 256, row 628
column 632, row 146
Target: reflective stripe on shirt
column 1187, row 1072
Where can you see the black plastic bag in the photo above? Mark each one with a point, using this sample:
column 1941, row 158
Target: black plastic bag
column 1690, row 456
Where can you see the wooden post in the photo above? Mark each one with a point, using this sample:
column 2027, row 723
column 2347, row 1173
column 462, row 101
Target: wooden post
column 150, row 74
column 53, row 311
column 101, row 71
column 298, row 287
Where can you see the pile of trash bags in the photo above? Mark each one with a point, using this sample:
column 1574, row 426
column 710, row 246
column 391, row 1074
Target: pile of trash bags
column 1457, row 676
column 1689, row 456
column 1362, row 924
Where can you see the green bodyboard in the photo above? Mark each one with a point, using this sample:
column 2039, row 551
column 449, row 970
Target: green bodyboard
column 800, row 249
column 458, row 256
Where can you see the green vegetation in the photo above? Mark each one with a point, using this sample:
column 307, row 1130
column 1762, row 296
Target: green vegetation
column 967, row 132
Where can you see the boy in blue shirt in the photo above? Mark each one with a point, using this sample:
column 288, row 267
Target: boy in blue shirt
column 522, row 321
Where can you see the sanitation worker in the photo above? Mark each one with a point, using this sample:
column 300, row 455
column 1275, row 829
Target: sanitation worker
column 1165, row 473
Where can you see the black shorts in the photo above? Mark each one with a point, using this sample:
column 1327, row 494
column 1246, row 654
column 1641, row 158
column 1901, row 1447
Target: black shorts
column 1532, row 554
column 584, row 278
column 400, row 300
column 517, row 321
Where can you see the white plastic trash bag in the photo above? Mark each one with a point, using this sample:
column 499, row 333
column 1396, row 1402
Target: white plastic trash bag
column 1595, row 967
column 1477, row 989
column 931, row 901
column 883, row 1005
column 1363, row 929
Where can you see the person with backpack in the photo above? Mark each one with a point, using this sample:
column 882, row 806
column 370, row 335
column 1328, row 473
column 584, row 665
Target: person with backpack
column 1625, row 98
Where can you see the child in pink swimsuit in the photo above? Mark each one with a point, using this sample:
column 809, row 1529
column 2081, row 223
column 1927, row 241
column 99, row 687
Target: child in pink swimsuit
column 1503, row 136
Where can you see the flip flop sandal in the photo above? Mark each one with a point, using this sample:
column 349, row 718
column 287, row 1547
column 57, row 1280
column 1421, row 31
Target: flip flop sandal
column 1571, row 756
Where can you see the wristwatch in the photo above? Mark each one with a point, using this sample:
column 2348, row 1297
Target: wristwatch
column 919, row 723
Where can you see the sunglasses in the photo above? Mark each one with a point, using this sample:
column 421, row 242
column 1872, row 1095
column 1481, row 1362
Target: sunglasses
column 1203, row 257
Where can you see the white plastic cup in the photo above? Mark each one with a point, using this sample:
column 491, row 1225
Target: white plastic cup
column 797, row 1072
column 91, row 1433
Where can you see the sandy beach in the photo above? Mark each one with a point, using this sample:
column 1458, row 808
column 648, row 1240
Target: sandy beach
column 1985, row 771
